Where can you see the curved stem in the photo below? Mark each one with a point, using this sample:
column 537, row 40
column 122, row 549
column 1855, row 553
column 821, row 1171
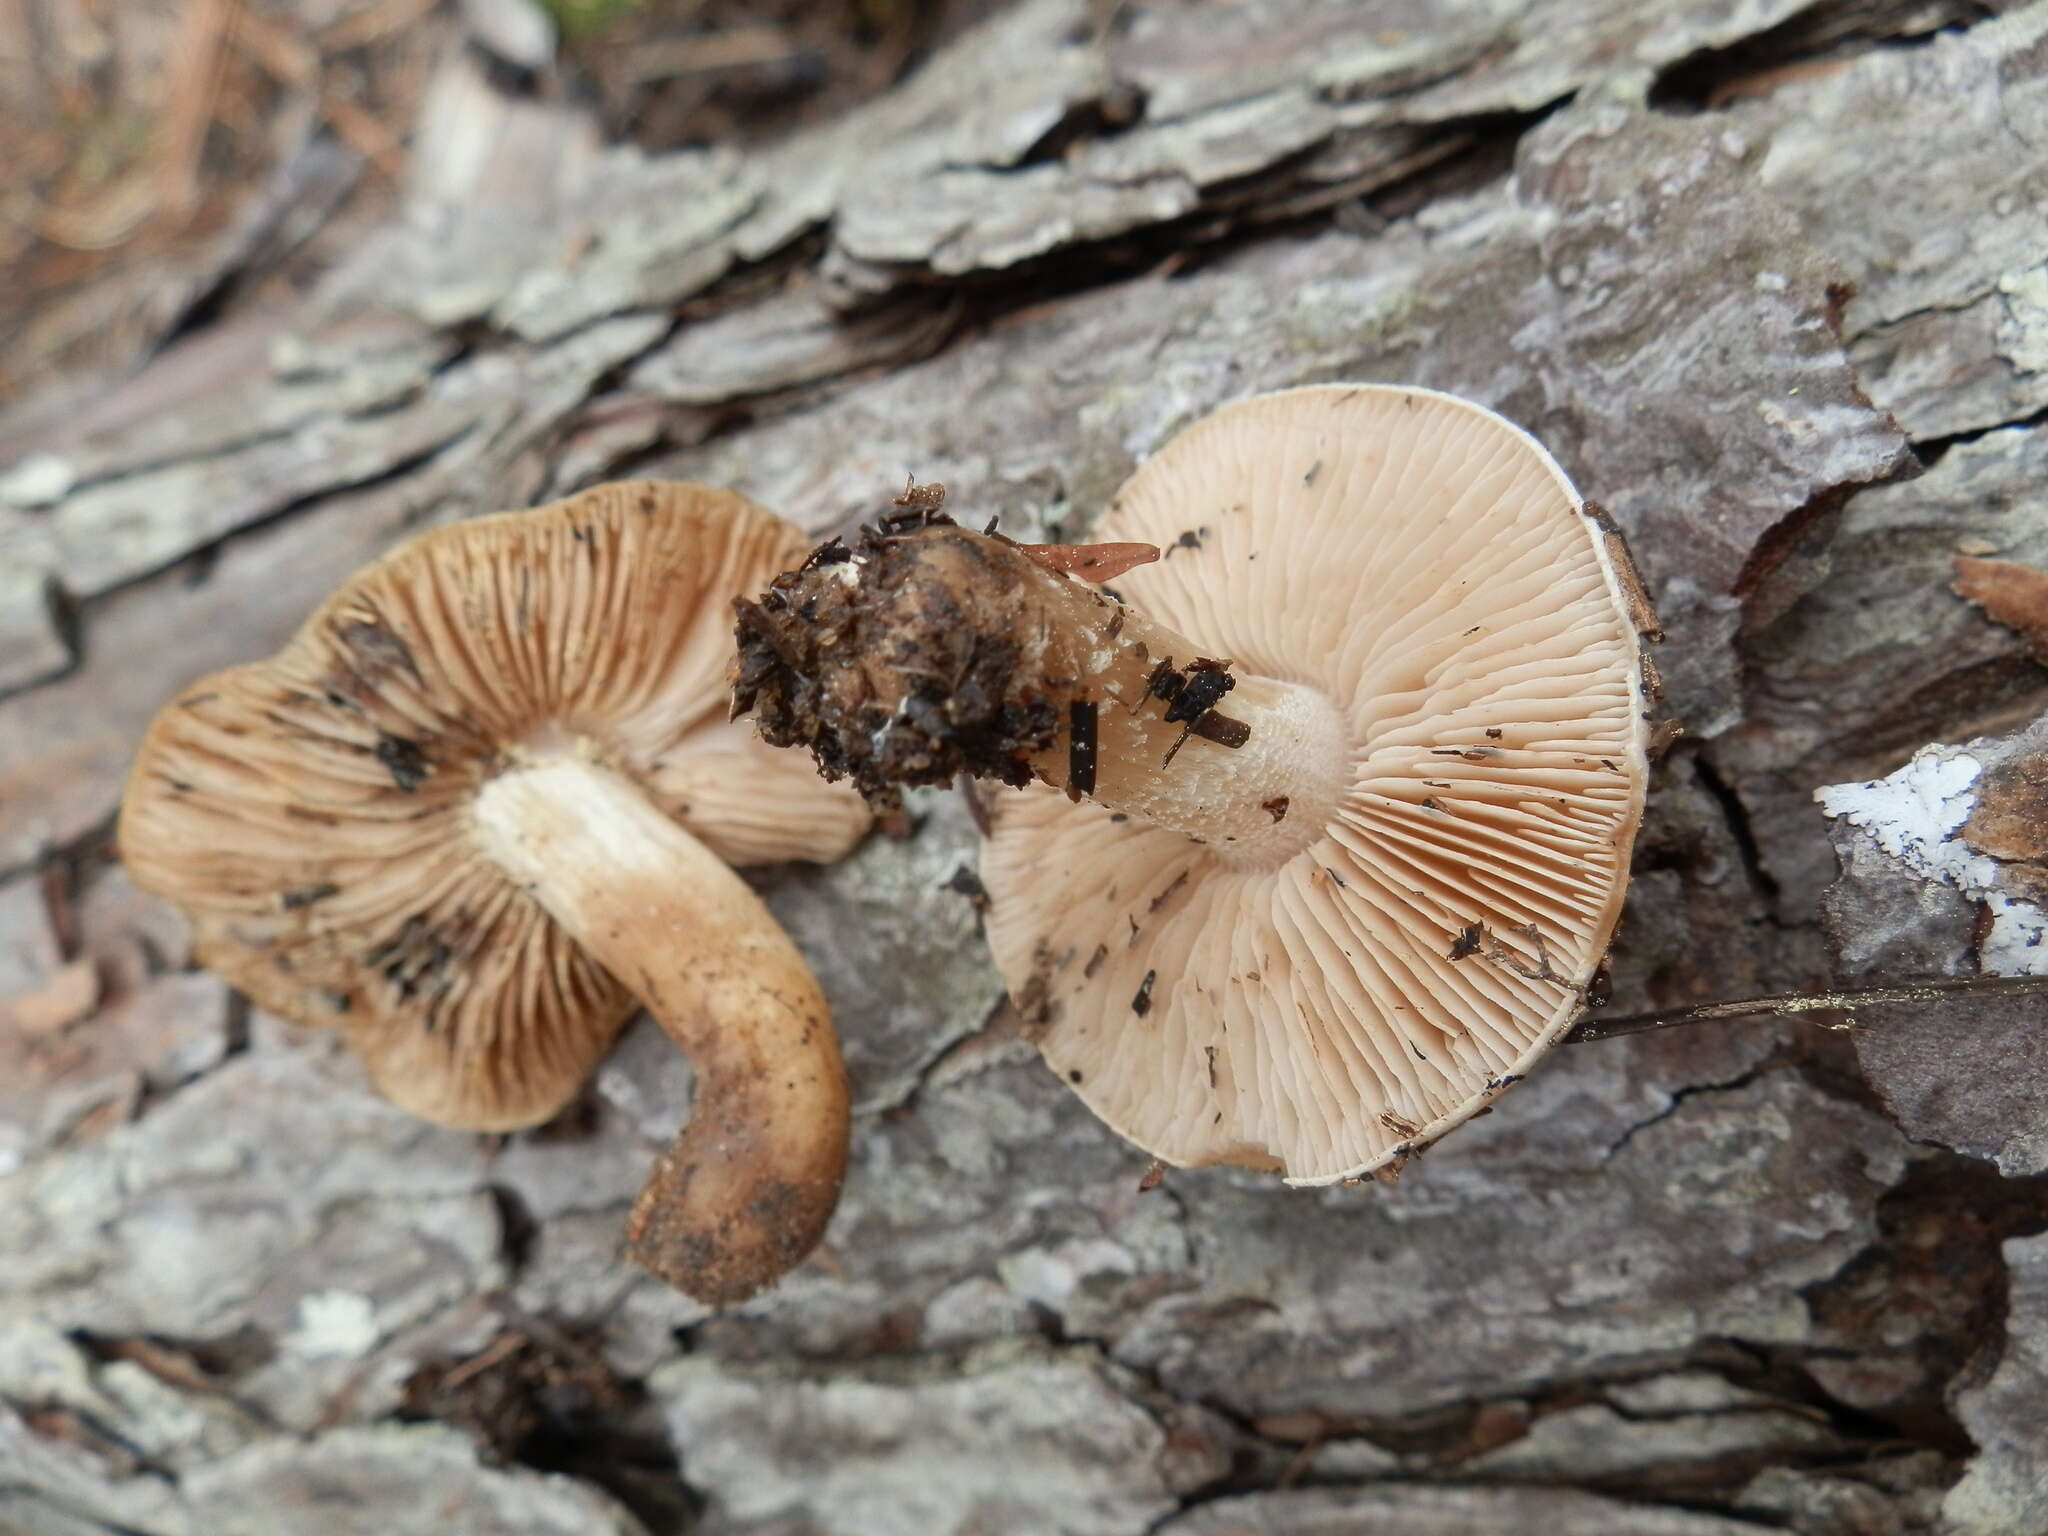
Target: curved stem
column 746, row 1190
column 1845, row 1001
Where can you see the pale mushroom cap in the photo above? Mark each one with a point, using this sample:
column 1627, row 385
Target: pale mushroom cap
column 1424, row 565
column 313, row 811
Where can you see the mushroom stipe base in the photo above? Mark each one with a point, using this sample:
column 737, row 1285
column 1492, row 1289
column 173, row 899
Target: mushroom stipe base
column 929, row 651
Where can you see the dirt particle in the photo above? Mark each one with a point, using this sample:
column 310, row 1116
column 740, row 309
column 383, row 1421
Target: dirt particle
column 1197, row 691
column 966, row 883
column 1634, row 594
column 407, row 764
column 921, row 498
column 1081, row 724
column 1141, row 1004
column 1167, row 895
column 375, row 651
column 417, row 962
column 832, row 552
column 1600, row 990
column 1036, row 1006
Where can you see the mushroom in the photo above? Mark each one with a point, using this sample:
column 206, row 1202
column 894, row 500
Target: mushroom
column 484, row 803
column 1365, row 755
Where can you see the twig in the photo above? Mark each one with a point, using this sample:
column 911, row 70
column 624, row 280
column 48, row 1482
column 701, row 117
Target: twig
column 373, row 25
column 294, row 62
column 709, row 53
column 1848, row 1001
column 197, row 63
column 166, row 182
column 502, row 1349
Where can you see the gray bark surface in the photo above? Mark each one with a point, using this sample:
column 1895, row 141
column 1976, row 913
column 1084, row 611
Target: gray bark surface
column 1771, row 279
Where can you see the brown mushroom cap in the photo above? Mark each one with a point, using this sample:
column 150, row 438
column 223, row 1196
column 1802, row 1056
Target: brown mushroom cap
column 1325, row 1009
column 313, row 811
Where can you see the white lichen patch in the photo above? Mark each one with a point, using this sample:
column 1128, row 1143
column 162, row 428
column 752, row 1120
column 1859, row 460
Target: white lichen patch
column 2023, row 330
column 1913, row 813
column 340, row 1323
column 1917, row 815
column 39, row 480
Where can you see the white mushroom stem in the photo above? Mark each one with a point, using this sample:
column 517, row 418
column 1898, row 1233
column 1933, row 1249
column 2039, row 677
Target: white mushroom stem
column 1258, row 801
column 747, row 1188
column 938, row 650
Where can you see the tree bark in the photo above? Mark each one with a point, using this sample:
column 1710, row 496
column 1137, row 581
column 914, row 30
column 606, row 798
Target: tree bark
column 1767, row 279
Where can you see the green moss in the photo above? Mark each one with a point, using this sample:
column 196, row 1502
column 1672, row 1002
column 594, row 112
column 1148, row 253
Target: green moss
column 586, row 18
